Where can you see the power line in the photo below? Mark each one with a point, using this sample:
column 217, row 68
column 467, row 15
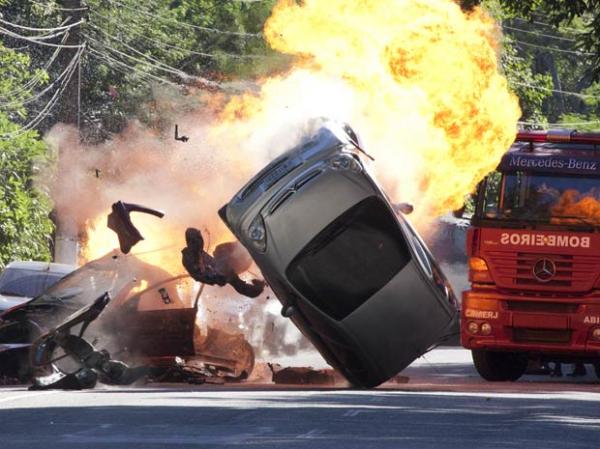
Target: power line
column 537, row 22
column 37, row 78
column 58, row 28
column 51, row 103
column 44, row 91
column 175, row 47
column 37, row 40
column 156, row 64
column 536, row 33
column 547, row 89
column 188, row 25
column 111, row 60
column 560, row 50
column 59, row 8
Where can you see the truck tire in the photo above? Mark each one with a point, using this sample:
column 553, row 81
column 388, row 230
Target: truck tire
column 499, row 366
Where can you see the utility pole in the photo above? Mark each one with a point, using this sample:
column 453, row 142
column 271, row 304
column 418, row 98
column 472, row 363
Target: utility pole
column 66, row 247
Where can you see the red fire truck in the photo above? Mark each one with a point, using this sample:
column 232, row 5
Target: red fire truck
column 534, row 257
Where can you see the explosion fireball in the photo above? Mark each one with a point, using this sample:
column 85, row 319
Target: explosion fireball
column 417, row 79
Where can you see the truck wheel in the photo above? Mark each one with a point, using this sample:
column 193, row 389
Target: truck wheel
column 499, row 366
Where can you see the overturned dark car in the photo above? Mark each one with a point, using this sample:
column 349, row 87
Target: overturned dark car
column 351, row 273
column 117, row 306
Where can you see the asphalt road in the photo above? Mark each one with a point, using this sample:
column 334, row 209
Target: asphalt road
column 443, row 405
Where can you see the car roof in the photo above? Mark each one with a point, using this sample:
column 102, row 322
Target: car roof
column 51, row 267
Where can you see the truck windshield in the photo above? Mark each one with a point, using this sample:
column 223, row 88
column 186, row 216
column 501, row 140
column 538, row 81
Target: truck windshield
column 542, row 198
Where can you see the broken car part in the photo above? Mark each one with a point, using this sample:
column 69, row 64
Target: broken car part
column 353, row 275
column 221, row 269
column 88, row 365
column 119, row 220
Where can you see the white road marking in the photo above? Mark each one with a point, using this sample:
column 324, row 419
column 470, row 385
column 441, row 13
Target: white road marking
column 22, row 396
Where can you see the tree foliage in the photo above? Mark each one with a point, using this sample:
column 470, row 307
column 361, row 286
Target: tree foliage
column 25, row 227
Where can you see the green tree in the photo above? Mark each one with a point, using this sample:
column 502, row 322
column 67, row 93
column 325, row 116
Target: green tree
column 25, row 227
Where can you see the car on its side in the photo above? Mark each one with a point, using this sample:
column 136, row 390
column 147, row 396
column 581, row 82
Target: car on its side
column 22, row 280
column 350, row 271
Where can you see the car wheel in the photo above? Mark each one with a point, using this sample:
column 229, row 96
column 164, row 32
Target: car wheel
column 499, row 366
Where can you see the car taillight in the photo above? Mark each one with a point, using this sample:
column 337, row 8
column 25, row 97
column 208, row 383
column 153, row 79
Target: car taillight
column 478, row 270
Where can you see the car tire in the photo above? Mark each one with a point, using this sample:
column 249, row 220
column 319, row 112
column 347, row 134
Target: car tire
column 499, row 366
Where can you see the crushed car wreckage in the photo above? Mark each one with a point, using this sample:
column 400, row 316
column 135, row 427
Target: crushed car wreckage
column 348, row 268
column 127, row 307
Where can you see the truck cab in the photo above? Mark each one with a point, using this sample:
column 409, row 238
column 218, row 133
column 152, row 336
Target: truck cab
column 533, row 251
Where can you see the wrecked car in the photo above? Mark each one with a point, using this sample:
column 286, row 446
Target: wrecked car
column 150, row 320
column 22, row 280
column 349, row 270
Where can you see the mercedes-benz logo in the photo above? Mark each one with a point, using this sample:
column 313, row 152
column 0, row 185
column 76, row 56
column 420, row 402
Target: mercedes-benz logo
column 544, row 270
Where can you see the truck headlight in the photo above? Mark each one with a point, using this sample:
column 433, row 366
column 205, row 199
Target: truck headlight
column 345, row 162
column 473, row 327
column 486, row 328
column 596, row 334
column 257, row 233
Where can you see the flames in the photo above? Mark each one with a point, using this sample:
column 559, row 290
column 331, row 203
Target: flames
column 574, row 204
column 417, row 79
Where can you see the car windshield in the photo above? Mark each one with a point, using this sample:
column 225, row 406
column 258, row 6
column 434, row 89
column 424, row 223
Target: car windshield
column 351, row 259
column 26, row 283
column 542, row 198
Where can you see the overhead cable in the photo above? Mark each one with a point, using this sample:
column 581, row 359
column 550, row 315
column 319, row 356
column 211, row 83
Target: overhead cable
column 111, row 60
column 175, row 47
column 59, row 8
column 38, row 40
column 40, row 94
column 150, row 61
column 560, row 50
column 547, row 89
column 536, row 33
column 185, row 24
column 37, row 77
column 58, row 28
column 51, row 103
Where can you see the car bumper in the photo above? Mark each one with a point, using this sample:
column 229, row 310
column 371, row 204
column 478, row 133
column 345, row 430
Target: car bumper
column 531, row 324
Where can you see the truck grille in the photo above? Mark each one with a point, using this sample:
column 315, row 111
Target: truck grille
column 541, row 335
column 544, row 307
column 515, row 270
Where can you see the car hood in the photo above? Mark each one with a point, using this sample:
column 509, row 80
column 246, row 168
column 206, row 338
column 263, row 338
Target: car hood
column 8, row 302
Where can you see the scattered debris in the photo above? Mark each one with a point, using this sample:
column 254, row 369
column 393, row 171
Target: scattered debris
column 229, row 260
column 119, row 221
column 302, row 375
column 91, row 365
column 180, row 138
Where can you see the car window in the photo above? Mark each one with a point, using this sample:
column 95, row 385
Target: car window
column 351, row 259
column 27, row 283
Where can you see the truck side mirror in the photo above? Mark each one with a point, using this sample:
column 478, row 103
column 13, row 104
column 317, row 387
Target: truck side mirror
column 459, row 213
